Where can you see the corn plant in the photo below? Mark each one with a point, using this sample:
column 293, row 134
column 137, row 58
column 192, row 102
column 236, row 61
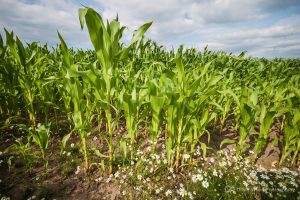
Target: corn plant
column 266, row 119
column 184, row 101
column 291, row 139
column 75, row 90
column 41, row 137
column 109, row 51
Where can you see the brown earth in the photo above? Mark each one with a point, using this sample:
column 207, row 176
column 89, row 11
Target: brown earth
column 61, row 182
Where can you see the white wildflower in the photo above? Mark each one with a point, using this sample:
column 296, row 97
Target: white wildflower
column 117, row 174
column 182, row 192
column 205, row 184
column 264, row 177
column 223, row 164
column 190, row 195
column 98, row 179
column 168, row 192
column 215, row 173
column 151, row 170
column 245, row 184
column 77, row 170
column 139, row 177
column 186, row 156
column 220, row 174
column 199, row 177
column 282, row 186
column 95, row 138
column 194, row 178
column 109, row 178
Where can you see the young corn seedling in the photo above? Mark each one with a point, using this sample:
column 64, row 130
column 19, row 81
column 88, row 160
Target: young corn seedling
column 41, row 137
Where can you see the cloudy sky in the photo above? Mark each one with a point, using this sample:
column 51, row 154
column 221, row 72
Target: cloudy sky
column 264, row 28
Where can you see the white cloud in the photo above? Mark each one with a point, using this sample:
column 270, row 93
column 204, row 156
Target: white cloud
column 41, row 21
column 279, row 39
column 229, row 25
column 222, row 24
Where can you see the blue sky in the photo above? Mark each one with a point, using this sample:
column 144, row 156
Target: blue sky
column 263, row 28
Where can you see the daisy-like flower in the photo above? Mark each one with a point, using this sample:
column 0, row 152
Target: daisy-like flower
column 223, row 164
column 261, row 169
column 95, row 138
column 139, row 177
column 182, row 192
column 168, row 192
column 117, row 174
column 263, row 176
column 285, row 170
column 98, row 179
column 190, row 195
column 186, row 156
column 215, row 173
column 199, row 177
column 109, row 178
column 245, row 184
column 205, row 184
column 282, row 186
column 194, row 178
column 253, row 174
column 220, row 174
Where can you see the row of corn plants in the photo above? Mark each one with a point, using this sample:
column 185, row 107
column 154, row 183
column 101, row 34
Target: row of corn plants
column 180, row 97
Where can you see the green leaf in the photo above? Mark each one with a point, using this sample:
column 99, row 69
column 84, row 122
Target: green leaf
column 65, row 51
column 203, row 148
column 82, row 13
column 227, row 141
column 65, row 139
column 140, row 32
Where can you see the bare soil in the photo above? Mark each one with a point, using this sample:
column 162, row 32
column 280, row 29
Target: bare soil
column 60, row 180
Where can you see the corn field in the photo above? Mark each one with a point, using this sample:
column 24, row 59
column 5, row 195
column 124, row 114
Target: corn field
column 140, row 94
